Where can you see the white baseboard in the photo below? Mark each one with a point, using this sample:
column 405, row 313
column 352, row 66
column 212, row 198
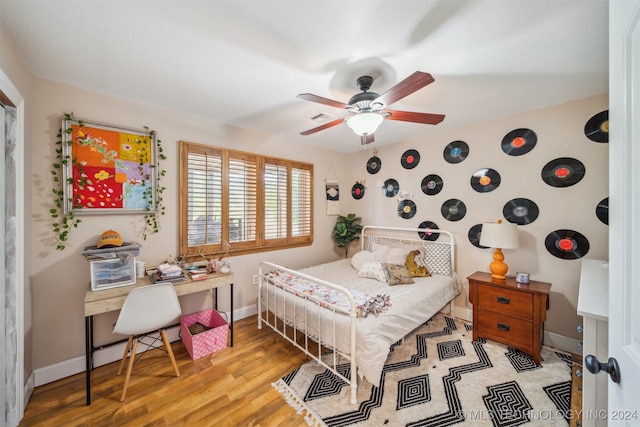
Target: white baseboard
column 560, row 342
column 105, row 356
column 463, row 313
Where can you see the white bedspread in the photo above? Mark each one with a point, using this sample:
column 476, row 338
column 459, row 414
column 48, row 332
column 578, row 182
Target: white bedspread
column 411, row 305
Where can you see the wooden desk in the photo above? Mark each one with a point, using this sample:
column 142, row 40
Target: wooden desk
column 107, row 300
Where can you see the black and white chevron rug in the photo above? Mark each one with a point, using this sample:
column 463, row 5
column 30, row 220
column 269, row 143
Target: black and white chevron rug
column 439, row 377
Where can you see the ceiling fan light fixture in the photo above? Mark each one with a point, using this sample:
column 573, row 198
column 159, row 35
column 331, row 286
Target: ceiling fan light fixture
column 364, row 124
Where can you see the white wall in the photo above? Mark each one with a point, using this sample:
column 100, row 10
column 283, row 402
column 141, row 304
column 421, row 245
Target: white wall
column 560, row 133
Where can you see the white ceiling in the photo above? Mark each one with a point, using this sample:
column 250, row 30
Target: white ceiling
column 243, row 62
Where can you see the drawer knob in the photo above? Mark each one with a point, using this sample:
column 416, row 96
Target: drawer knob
column 580, row 329
column 503, row 327
column 503, row 300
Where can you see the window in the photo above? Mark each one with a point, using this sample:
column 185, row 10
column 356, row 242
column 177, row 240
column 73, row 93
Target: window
column 253, row 202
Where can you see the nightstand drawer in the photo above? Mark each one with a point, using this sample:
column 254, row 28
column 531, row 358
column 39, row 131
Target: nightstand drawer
column 509, row 330
column 506, row 301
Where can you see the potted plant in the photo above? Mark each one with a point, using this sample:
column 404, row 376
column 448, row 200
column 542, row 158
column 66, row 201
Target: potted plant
column 346, row 231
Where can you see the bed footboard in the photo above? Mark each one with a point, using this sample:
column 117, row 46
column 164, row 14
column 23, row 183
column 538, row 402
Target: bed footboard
column 307, row 322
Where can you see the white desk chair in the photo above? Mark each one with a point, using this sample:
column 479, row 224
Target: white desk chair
column 147, row 309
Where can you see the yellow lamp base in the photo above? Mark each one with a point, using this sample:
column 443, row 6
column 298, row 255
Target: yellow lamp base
column 498, row 268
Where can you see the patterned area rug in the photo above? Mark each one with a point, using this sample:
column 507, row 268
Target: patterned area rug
column 439, row 377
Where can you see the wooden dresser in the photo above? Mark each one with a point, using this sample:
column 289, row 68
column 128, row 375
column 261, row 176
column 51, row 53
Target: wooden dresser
column 509, row 312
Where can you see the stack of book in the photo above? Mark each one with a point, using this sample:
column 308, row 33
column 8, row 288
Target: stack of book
column 197, row 272
column 168, row 273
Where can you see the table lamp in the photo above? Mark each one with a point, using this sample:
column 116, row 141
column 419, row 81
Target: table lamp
column 500, row 236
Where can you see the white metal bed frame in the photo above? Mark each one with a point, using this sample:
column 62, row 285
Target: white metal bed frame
column 290, row 329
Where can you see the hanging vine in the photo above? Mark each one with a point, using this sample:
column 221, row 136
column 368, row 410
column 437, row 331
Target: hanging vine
column 65, row 220
column 151, row 222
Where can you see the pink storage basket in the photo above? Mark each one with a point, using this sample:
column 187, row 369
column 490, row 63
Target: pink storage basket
column 207, row 342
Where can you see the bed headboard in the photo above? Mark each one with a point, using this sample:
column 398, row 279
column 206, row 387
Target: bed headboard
column 439, row 245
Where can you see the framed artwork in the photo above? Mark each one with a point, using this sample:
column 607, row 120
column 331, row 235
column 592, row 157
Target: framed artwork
column 108, row 169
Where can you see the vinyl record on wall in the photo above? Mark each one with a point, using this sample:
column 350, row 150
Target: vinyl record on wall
column 520, row 211
column 431, row 184
column 602, row 210
column 390, row 188
column 485, row 180
column 597, row 127
column 374, row 164
column 453, row 210
column 566, row 244
column 456, row 151
column 519, row 142
column 410, row 159
column 426, row 235
column 474, row 236
column 357, row 191
column 406, row 209
column 563, row 172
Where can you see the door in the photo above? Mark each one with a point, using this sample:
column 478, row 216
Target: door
column 624, row 209
column 11, row 252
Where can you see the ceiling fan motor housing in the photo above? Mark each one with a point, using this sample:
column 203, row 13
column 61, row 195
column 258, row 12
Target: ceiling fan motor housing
column 363, row 100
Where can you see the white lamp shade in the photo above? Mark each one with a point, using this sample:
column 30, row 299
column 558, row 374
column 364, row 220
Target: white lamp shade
column 364, row 124
column 499, row 235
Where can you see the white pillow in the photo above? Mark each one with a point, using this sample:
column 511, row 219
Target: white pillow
column 373, row 270
column 361, row 257
column 381, row 252
column 397, row 256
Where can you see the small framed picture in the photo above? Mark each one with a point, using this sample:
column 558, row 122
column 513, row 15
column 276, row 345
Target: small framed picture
column 107, row 169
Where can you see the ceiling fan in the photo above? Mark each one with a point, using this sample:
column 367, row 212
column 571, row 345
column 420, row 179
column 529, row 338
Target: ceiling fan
column 368, row 109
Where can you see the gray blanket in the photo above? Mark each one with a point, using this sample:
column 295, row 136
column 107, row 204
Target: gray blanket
column 124, row 252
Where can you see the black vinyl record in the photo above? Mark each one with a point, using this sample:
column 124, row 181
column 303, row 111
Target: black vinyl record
column 520, row 211
column 410, row 159
column 426, row 235
column 456, row 151
column 357, row 191
column 406, row 209
column 563, row 172
column 453, row 210
column 374, row 164
column 431, row 184
column 474, row 236
column 566, row 244
column 390, row 188
column 597, row 127
column 485, row 180
column 602, row 210
column 519, row 142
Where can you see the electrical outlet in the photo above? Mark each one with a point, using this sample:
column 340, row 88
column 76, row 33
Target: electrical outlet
column 255, row 279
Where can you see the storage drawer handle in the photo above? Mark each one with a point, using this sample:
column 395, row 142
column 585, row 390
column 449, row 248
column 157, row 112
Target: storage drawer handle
column 504, row 327
column 504, row 300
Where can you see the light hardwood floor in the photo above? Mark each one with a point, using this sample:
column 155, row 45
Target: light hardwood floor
column 231, row 387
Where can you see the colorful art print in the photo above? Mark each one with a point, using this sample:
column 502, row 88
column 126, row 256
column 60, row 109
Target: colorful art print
column 108, row 169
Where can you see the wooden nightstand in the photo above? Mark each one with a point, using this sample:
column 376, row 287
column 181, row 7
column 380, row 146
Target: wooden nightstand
column 509, row 312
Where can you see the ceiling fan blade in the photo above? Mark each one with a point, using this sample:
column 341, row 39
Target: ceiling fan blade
column 415, row 81
column 320, row 100
column 408, row 116
column 324, row 126
column 366, row 139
